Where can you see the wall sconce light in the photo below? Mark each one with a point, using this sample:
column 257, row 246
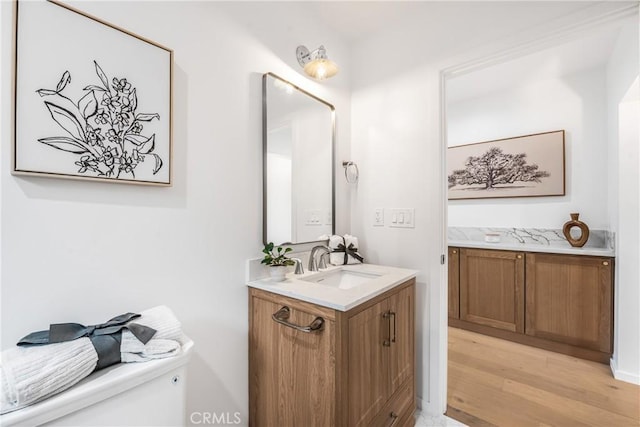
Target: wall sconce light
column 315, row 63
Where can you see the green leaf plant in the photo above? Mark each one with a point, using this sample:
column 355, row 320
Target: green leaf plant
column 276, row 256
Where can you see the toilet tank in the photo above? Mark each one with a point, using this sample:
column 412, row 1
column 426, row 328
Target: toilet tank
column 127, row 394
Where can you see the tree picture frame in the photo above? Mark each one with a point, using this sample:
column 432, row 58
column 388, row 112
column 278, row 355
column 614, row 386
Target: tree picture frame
column 96, row 106
column 521, row 166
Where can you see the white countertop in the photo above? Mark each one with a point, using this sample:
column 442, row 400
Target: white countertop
column 529, row 247
column 295, row 286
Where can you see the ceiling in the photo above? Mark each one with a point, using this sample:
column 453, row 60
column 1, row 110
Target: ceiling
column 561, row 60
column 357, row 20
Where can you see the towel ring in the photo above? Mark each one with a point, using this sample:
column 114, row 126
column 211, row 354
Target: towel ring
column 353, row 176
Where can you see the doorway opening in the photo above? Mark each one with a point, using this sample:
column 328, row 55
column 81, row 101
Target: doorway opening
column 523, row 352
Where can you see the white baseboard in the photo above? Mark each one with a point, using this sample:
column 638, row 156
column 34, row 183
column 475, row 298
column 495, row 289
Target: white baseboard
column 427, row 409
column 426, row 419
column 622, row 375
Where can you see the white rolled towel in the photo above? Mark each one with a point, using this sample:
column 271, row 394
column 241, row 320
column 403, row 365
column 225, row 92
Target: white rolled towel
column 337, row 258
column 31, row 374
column 34, row 373
column 166, row 341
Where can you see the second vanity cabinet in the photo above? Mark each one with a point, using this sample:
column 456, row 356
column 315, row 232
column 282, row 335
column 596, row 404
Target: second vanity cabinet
column 356, row 370
column 558, row 302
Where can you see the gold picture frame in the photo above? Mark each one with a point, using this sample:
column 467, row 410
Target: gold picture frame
column 96, row 107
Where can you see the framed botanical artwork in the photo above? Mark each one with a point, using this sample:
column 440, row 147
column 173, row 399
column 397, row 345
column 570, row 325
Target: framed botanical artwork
column 522, row 166
column 91, row 100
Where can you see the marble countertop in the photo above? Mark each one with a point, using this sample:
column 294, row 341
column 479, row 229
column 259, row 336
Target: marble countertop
column 295, row 286
column 530, row 240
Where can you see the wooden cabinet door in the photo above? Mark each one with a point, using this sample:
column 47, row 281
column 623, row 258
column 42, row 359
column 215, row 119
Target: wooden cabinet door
column 402, row 332
column 291, row 373
column 569, row 299
column 454, row 283
column 492, row 288
column 368, row 363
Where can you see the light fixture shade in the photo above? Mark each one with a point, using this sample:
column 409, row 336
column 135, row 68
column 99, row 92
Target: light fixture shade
column 321, row 68
column 315, row 63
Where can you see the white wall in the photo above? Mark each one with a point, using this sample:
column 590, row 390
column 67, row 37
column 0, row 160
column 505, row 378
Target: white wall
column 622, row 127
column 575, row 103
column 85, row 251
column 3, row 95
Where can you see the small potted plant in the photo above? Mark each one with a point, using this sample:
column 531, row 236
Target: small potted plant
column 276, row 258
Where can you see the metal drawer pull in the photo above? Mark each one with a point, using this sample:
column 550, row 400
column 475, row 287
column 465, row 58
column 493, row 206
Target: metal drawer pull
column 387, row 341
column 393, row 314
column 392, row 338
column 394, row 417
column 282, row 316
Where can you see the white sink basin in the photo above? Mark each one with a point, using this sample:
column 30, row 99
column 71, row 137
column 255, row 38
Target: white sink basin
column 338, row 287
column 342, row 279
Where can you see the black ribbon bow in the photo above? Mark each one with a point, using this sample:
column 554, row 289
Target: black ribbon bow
column 105, row 337
column 348, row 250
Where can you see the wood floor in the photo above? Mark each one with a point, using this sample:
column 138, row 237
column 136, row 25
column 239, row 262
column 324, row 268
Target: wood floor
column 493, row 382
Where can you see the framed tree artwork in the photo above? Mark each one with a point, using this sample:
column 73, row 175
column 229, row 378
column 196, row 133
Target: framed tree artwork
column 91, row 100
column 522, row 166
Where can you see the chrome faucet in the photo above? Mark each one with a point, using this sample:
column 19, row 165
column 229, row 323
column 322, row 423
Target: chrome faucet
column 299, row 268
column 313, row 265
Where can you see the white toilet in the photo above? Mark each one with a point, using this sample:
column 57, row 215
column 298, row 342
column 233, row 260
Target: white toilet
column 127, row 394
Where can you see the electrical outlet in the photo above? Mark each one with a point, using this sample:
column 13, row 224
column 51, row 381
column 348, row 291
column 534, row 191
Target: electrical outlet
column 378, row 217
column 328, row 218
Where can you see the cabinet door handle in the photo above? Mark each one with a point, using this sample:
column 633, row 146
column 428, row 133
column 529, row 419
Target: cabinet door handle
column 393, row 314
column 387, row 341
column 282, row 316
column 394, row 419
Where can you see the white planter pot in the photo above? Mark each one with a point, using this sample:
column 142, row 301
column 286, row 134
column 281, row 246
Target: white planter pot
column 278, row 273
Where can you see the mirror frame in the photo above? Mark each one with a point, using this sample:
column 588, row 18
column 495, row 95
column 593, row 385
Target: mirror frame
column 264, row 157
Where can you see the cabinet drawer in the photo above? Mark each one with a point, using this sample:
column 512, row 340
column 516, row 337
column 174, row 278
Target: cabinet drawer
column 395, row 411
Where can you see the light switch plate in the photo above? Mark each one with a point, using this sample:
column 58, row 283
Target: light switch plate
column 402, row 218
column 312, row 217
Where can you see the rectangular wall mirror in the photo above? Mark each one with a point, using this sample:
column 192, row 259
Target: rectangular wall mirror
column 298, row 132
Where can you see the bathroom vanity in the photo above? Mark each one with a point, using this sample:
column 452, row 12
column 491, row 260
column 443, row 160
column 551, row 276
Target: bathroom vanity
column 335, row 348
